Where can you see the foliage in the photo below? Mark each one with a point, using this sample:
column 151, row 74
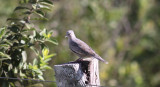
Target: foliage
column 124, row 32
column 20, row 35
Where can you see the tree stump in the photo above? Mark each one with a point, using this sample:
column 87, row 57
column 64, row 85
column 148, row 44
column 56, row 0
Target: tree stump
column 83, row 73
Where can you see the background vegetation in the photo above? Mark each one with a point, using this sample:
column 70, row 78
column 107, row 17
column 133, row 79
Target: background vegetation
column 124, row 32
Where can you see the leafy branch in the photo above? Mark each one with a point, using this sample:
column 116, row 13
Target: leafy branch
column 21, row 34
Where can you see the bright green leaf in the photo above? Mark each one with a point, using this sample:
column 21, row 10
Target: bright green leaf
column 2, row 32
column 45, row 52
column 49, row 56
column 52, row 41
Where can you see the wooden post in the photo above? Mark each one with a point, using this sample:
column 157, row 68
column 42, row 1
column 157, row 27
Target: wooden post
column 83, row 73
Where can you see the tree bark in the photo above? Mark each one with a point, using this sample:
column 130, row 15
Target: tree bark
column 84, row 73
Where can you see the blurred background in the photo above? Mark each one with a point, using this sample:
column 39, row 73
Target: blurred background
column 124, row 32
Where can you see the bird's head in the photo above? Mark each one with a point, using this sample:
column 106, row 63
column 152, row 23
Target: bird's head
column 70, row 34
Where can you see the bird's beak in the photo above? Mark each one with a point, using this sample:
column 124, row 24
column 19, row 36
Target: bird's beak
column 66, row 36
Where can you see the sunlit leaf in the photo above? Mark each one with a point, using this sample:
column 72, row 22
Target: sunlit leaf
column 44, row 31
column 15, row 70
column 4, row 55
column 40, row 77
column 41, row 6
column 38, row 71
column 46, row 60
column 35, row 61
column 2, row 32
column 52, row 41
column 22, row 74
column 49, row 56
column 47, row 2
column 10, row 67
column 45, row 52
column 24, row 56
column 35, row 67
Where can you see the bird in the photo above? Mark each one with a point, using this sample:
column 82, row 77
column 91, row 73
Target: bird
column 80, row 48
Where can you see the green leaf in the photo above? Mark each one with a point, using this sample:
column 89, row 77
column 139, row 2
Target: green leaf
column 29, row 26
column 45, row 67
column 11, row 84
column 22, row 74
column 52, row 41
column 36, row 35
column 23, row 1
column 27, row 12
column 40, row 13
column 44, row 31
column 33, row 1
column 6, row 56
column 10, row 67
column 38, row 71
column 4, row 45
column 46, row 60
column 45, row 52
column 42, row 6
column 13, row 19
column 47, row 2
column 49, row 56
column 9, row 42
column 20, row 8
column 24, row 56
column 26, row 30
column 35, row 50
column 2, row 32
column 39, row 19
column 15, row 70
column 42, row 45
column 1, row 59
column 40, row 77
column 35, row 61
column 14, row 28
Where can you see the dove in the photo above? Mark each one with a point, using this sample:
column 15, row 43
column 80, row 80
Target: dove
column 80, row 48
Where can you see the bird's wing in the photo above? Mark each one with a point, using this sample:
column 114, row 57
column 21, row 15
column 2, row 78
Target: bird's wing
column 84, row 48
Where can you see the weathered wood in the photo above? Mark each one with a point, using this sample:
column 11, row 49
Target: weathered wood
column 83, row 73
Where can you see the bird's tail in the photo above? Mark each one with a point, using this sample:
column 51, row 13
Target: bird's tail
column 99, row 58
